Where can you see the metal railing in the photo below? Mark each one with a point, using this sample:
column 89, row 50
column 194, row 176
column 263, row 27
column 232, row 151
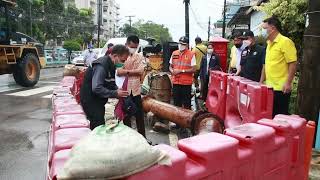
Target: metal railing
column 59, row 56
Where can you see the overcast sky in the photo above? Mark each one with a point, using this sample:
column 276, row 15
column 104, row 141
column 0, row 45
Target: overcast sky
column 171, row 14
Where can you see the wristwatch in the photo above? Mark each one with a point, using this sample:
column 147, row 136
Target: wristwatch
column 183, row 71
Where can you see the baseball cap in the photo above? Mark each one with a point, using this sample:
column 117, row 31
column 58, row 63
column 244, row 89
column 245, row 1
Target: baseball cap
column 247, row 34
column 184, row 40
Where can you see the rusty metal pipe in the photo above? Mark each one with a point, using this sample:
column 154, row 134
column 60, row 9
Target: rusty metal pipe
column 198, row 122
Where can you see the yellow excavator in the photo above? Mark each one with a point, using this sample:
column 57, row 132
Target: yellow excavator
column 20, row 54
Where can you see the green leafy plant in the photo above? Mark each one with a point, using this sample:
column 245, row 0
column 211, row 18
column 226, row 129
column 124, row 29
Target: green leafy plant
column 291, row 14
column 71, row 45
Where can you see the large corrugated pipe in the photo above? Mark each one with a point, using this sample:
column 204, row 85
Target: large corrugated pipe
column 199, row 122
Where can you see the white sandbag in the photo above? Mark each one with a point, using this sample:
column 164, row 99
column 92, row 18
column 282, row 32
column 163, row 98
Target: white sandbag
column 71, row 70
column 111, row 154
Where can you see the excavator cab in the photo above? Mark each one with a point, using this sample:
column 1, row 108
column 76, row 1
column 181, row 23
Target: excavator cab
column 4, row 21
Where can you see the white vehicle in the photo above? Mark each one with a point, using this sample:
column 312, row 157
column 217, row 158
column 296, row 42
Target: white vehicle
column 123, row 41
column 79, row 60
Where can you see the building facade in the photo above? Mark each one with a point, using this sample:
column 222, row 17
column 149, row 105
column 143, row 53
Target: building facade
column 109, row 15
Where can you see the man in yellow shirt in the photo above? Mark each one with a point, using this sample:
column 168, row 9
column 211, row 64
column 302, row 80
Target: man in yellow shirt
column 200, row 50
column 233, row 60
column 280, row 65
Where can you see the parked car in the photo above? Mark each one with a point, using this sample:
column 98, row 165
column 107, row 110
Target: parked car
column 115, row 41
column 79, row 60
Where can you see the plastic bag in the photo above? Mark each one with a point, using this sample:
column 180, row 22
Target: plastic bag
column 111, row 152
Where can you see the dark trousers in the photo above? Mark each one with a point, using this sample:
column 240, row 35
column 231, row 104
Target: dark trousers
column 195, row 78
column 281, row 103
column 182, row 95
column 95, row 114
column 204, row 87
column 138, row 115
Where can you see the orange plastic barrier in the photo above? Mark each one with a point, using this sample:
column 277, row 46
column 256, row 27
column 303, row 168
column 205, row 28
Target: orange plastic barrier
column 311, row 128
column 247, row 101
column 217, row 93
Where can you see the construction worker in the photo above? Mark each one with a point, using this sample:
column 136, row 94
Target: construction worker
column 182, row 66
column 200, row 51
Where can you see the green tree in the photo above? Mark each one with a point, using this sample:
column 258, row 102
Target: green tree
column 71, row 45
column 50, row 19
column 291, row 15
column 148, row 29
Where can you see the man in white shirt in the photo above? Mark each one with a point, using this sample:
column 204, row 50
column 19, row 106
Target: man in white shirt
column 89, row 56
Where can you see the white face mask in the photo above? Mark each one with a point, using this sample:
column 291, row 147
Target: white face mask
column 247, row 43
column 132, row 50
column 264, row 33
column 210, row 51
column 182, row 47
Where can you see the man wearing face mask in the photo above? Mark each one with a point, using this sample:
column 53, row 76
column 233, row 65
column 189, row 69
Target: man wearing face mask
column 89, row 56
column 240, row 46
column 134, row 69
column 200, row 51
column 252, row 58
column 280, row 65
column 209, row 62
column 182, row 67
column 99, row 85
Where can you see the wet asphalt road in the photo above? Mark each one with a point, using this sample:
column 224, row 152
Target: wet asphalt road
column 25, row 117
column 24, row 125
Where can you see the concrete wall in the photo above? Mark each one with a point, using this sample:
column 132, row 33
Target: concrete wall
column 256, row 19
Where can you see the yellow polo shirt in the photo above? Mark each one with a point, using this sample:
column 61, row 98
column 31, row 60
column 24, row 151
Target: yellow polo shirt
column 233, row 56
column 279, row 54
column 199, row 54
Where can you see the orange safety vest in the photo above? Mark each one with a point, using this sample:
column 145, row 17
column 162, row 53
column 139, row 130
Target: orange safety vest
column 182, row 61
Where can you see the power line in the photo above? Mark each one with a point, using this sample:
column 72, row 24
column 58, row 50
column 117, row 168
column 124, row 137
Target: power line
column 130, row 20
column 196, row 20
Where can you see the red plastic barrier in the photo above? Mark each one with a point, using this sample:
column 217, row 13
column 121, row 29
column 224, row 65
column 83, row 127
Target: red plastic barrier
column 216, row 99
column 65, row 139
column 68, row 109
column 58, row 160
column 268, row 150
column 247, row 102
column 176, row 171
column 67, row 81
column 232, row 116
column 63, row 101
column 77, row 85
column 70, row 121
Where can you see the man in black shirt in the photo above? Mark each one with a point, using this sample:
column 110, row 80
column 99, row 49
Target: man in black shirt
column 99, row 85
column 252, row 58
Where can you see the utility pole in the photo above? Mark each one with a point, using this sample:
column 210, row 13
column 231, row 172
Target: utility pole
column 30, row 8
column 186, row 6
column 224, row 19
column 99, row 20
column 309, row 84
column 130, row 21
column 209, row 27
